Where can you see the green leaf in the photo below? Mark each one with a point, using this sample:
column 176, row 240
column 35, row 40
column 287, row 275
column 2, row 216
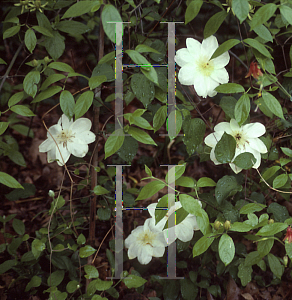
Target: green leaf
column 7, row 265
column 241, row 9
column 61, row 67
column 144, row 48
column 103, row 285
column 150, row 189
column 133, row 281
column 11, row 31
column 229, row 88
column 22, row 129
column 104, row 69
column 287, row 151
column 280, row 181
column 240, row 227
column 258, row 46
column 129, row 149
column 110, row 14
column 43, row 30
column 252, row 207
column 18, row 226
column 55, row 45
column 271, row 229
column 72, row 27
column 242, row 109
column 175, row 173
column 79, row 9
column 188, row 290
column 194, row 132
column 30, row 40
column 214, row 23
column 114, row 142
column 244, row 160
column 15, row 98
column 225, row 47
column 264, row 247
column 141, row 136
column 99, row 190
column 91, row 272
column 34, row 282
column 226, row 249
column 276, row 267
column 96, row 81
column 192, row 10
column 67, row 104
column 228, row 103
column 205, row 181
column 191, row 205
column 37, row 247
column 226, row 186
column 2, row 62
column 244, row 273
column 108, row 58
column 22, row 110
column 72, row 286
column 288, row 248
column 142, row 88
column 286, row 12
column 30, row 83
column 151, row 74
column 51, row 79
column 86, row 251
column 3, row 127
column 263, row 32
column 139, row 59
column 9, row 181
column 280, row 212
column 185, row 181
column 56, row 278
column 175, row 121
column 270, row 172
column 203, row 244
column 262, row 15
column 273, row 104
column 225, row 148
column 48, row 93
column 159, row 117
column 83, row 104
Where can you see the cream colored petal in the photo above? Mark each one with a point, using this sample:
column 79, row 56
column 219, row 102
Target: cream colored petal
column 220, row 75
column 213, row 138
column 65, row 155
column 81, row 125
column 86, row 137
column 186, row 75
column 54, row 130
column 184, row 57
column 47, row 145
column 78, row 150
column 64, row 122
column 223, row 127
column 256, row 154
column 213, row 157
column 258, row 145
column 204, row 85
column 51, row 156
column 234, row 125
column 221, row 61
column 254, row 130
column 184, row 232
column 194, row 47
column 209, row 46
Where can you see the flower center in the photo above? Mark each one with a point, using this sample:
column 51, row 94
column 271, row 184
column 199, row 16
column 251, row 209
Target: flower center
column 147, row 238
column 240, row 139
column 64, row 137
column 206, row 66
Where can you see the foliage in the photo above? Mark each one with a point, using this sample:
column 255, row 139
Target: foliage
column 59, row 259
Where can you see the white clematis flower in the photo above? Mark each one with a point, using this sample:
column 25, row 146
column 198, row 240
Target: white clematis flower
column 247, row 140
column 69, row 138
column 183, row 231
column 144, row 243
column 197, row 69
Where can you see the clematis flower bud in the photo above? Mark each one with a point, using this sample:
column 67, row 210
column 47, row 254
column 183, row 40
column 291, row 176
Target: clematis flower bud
column 288, row 235
column 254, row 71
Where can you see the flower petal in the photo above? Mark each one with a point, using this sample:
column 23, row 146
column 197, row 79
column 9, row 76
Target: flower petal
column 54, row 130
column 81, row 125
column 221, row 61
column 258, row 145
column 186, row 74
column 78, row 150
column 254, row 130
column 51, row 156
column 213, row 138
column 85, row 137
column 209, row 46
column 220, row 75
column 224, row 127
column 184, row 57
column 194, row 47
column 47, row 145
column 204, row 85
column 65, row 155
column 64, row 122
column 234, row 125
